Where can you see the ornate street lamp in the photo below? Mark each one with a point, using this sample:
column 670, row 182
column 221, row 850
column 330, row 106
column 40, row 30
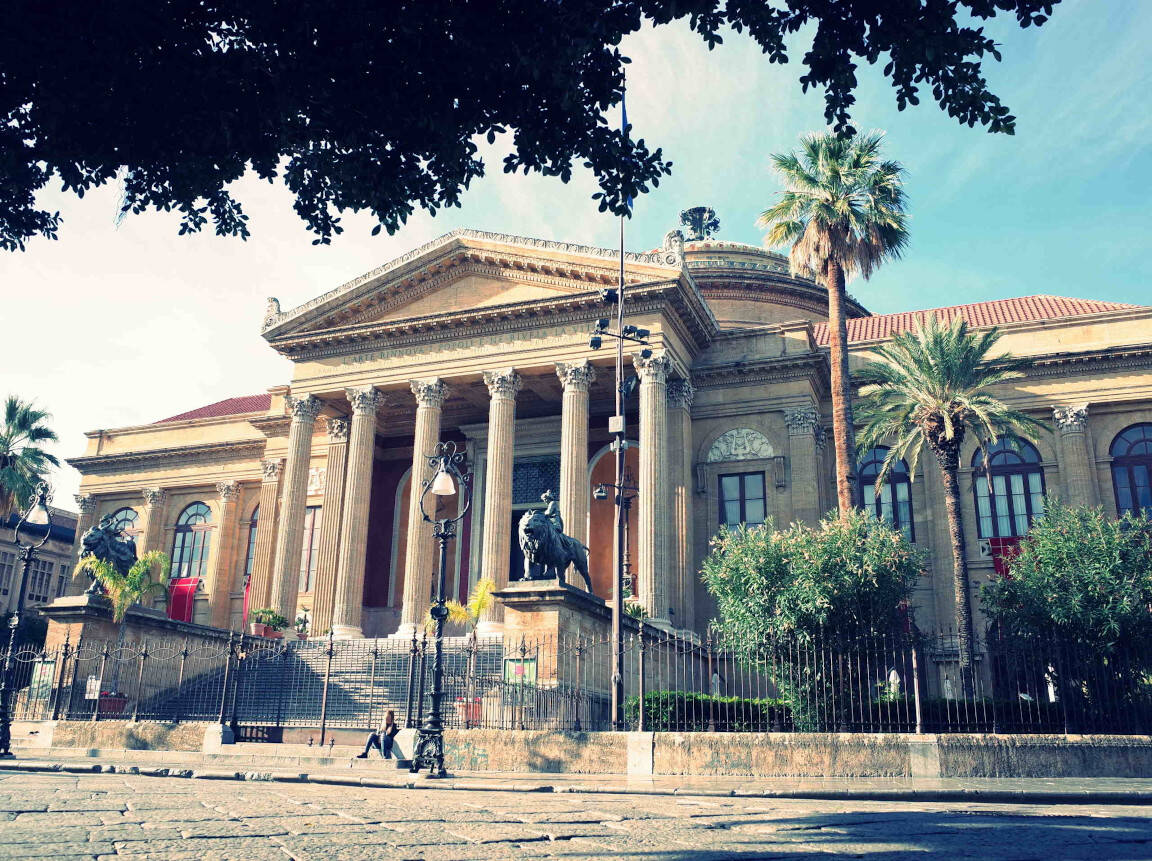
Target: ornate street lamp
column 40, row 515
column 450, row 479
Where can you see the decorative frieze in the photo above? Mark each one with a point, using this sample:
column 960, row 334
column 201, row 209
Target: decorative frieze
column 429, row 393
column 740, row 444
column 680, row 394
column 229, row 490
column 504, row 383
column 576, row 376
column 1071, row 419
column 802, row 421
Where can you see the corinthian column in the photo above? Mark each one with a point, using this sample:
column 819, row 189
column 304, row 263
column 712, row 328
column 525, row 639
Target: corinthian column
column 652, row 520
column 1076, row 456
column 324, row 593
column 353, row 520
column 803, row 426
column 260, row 581
column 576, row 378
column 86, row 502
column 680, row 394
column 495, row 544
column 290, row 535
column 419, row 556
column 222, row 557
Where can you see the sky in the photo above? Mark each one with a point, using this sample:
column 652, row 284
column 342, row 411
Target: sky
column 116, row 325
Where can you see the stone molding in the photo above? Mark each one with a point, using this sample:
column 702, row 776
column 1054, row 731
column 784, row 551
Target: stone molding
column 204, row 453
column 680, row 394
column 337, row 430
column 1071, row 419
column 365, row 401
column 503, row 383
column 654, row 369
column 86, row 502
column 577, row 376
column 271, row 468
column 802, row 421
column 303, row 409
column 429, row 393
column 229, row 490
column 740, row 444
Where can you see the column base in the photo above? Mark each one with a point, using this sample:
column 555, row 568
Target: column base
column 347, row 632
column 489, row 628
column 406, row 631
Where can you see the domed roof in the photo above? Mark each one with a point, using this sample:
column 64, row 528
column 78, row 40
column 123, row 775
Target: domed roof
column 746, row 285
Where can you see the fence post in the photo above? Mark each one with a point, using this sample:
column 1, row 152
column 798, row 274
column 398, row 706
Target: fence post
column 520, row 698
column 60, row 681
column 75, row 671
column 100, row 681
column 420, row 685
column 470, row 682
column 412, row 653
column 708, row 645
column 227, row 678
column 241, row 655
column 139, row 680
column 640, row 681
column 916, row 687
column 324, row 695
column 578, row 687
column 176, row 715
column 372, row 683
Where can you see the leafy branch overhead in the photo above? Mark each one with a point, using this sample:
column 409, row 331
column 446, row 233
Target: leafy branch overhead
column 381, row 107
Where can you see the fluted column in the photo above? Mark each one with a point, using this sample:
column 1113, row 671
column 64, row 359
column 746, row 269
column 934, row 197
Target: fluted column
column 353, row 550
column 576, row 379
column 222, row 557
column 495, row 547
column 420, row 554
column 1076, row 454
column 680, row 394
column 324, row 592
column 260, row 580
column 86, row 502
column 803, row 427
column 653, row 570
column 293, row 499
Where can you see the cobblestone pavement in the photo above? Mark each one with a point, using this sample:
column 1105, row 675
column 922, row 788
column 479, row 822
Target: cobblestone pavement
column 60, row 816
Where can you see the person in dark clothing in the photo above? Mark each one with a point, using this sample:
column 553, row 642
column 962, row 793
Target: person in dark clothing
column 384, row 737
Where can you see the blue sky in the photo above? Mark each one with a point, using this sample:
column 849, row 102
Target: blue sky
column 130, row 324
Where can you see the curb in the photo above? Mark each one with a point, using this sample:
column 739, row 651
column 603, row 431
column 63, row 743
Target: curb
column 970, row 795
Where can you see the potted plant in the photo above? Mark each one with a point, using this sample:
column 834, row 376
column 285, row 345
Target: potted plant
column 146, row 576
column 266, row 622
column 302, row 626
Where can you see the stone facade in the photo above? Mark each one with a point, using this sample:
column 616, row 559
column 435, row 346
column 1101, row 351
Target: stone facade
column 482, row 339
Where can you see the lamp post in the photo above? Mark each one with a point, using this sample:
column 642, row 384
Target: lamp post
column 450, row 478
column 37, row 514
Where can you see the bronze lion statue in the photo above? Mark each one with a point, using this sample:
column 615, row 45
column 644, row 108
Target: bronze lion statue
column 548, row 552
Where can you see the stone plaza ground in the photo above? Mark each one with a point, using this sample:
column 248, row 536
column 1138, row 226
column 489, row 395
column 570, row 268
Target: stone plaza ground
column 61, row 815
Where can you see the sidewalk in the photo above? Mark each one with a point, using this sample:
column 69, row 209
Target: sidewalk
column 345, row 770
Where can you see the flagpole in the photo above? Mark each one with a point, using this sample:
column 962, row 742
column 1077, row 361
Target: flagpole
column 620, row 441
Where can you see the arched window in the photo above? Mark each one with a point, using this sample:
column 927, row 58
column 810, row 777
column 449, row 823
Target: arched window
column 893, row 504
column 1132, row 469
column 1011, row 468
column 191, row 542
column 124, row 520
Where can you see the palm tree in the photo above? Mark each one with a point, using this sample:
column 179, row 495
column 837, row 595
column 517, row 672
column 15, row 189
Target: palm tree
column 22, row 460
column 147, row 576
column 842, row 212
column 929, row 388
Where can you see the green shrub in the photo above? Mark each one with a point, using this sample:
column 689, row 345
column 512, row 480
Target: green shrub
column 684, row 711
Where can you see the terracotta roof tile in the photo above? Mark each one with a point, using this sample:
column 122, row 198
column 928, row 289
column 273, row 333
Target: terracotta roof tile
column 998, row 312
column 229, row 407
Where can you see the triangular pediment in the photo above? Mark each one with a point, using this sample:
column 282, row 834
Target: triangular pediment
column 468, row 270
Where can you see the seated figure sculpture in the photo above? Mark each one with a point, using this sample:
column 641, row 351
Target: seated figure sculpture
column 108, row 544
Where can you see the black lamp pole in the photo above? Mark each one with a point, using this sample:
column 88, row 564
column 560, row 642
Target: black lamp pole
column 39, row 500
column 450, row 477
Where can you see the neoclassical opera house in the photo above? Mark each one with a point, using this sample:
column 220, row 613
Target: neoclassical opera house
column 300, row 498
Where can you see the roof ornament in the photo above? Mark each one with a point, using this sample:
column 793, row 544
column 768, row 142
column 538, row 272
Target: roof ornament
column 700, row 223
column 272, row 312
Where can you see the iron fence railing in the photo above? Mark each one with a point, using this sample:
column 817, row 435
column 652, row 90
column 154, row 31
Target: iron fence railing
column 672, row 682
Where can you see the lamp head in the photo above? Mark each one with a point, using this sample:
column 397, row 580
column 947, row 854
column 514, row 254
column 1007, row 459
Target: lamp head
column 642, row 334
column 645, row 354
column 600, row 493
column 602, row 324
column 595, row 342
column 442, row 483
column 610, row 296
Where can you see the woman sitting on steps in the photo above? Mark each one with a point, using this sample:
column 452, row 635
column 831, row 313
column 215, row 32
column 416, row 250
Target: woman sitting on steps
column 384, row 738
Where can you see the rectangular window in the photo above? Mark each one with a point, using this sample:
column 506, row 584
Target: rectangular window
column 310, row 548
column 7, row 567
column 65, row 576
column 742, row 499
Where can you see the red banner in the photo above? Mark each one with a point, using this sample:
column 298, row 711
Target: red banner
column 180, row 598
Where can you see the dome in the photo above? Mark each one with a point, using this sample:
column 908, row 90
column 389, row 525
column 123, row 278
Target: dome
column 746, row 285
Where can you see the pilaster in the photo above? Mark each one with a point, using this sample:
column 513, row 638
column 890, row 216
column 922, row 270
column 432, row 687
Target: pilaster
column 652, row 521
column 1075, row 454
column 324, row 592
column 293, row 499
column 222, row 556
column 803, row 431
column 495, row 545
column 267, row 523
column 576, row 379
column 680, row 395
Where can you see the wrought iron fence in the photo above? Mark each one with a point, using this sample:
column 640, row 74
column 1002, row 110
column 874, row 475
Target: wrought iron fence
column 672, row 682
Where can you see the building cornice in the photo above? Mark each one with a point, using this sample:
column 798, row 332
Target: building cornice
column 215, row 452
column 1109, row 358
column 763, row 371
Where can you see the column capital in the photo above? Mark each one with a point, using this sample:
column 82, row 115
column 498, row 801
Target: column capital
column 270, row 468
column 365, row 401
column 86, row 502
column 229, row 490
column 653, row 369
column 153, row 496
column 1072, row 418
column 429, row 393
column 337, row 430
column 681, row 393
column 504, row 383
column 577, row 376
column 305, row 408
column 802, row 421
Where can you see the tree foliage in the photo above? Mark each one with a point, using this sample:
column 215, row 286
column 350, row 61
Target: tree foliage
column 1081, row 577
column 23, row 460
column 148, row 576
column 841, row 579
column 379, row 107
